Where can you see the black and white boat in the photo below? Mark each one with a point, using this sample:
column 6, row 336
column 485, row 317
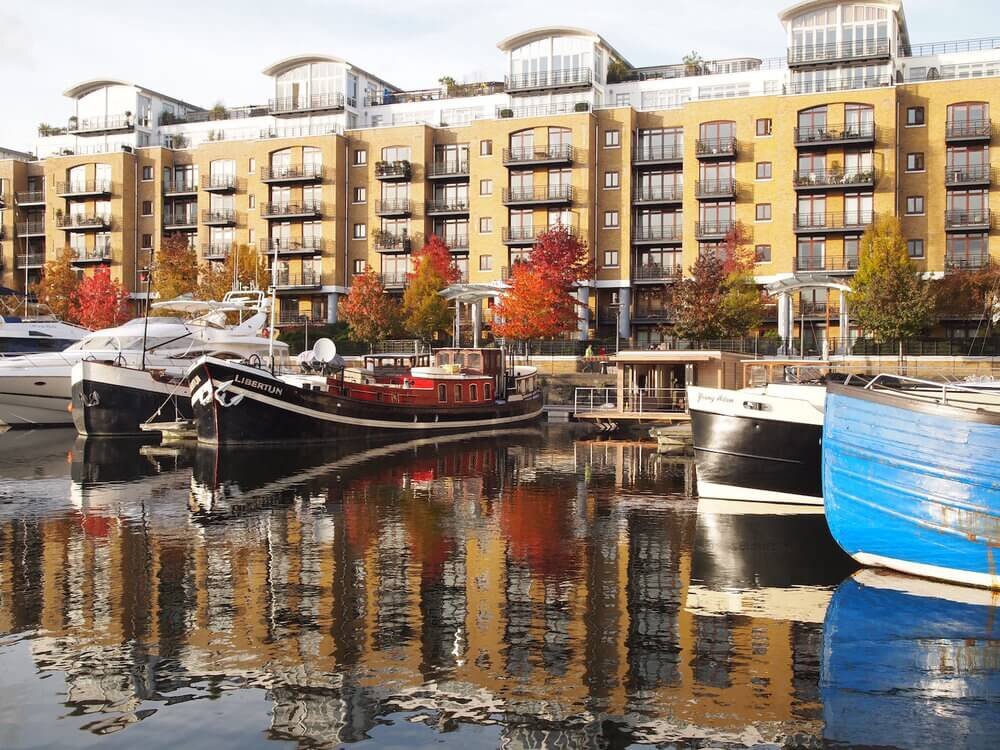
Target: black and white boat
column 760, row 444
column 463, row 389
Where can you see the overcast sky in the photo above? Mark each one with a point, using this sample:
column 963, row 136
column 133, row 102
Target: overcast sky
column 202, row 52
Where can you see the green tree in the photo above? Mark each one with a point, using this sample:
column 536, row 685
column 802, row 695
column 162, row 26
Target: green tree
column 58, row 287
column 425, row 311
column 890, row 299
column 175, row 269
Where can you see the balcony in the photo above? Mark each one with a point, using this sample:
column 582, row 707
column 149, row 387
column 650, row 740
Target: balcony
column 295, row 318
column 828, row 179
column 668, row 234
column 393, row 170
column 827, row 134
column 219, row 218
column 216, row 250
column 84, row 189
column 713, row 230
column 180, row 188
column 845, row 83
column 657, row 272
column 401, row 207
column 569, row 78
column 832, row 265
column 837, row 52
column 827, row 222
column 974, row 175
column 715, row 189
column 292, row 173
column 561, row 153
column 528, row 235
column 30, row 228
column 218, row 183
column 286, row 246
column 180, row 220
column 30, row 198
column 31, row 260
column 660, row 194
column 647, row 155
column 307, row 210
column 92, row 125
column 95, row 255
column 541, row 195
column 307, row 277
column 657, row 314
column 456, row 242
column 445, row 206
column 391, row 243
column 394, row 279
column 288, row 105
column 448, row 170
column 83, row 222
column 716, row 148
column 969, row 130
column 967, row 261
column 980, row 219
column 814, row 309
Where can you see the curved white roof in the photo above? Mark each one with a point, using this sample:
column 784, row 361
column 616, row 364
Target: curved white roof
column 295, row 61
column 531, row 35
column 896, row 6
column 82, row 89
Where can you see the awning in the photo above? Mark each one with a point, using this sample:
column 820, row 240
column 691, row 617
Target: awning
column 472, row 292
column 806, row 281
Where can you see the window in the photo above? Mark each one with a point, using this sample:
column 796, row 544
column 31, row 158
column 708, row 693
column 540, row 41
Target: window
column 485, row 224
column 612, row 138
column 914, row 205
column 360, row 195
column 485, row 262
column 147, row 174
column 252, row 201
column 252, row 165
column 763, row 170
column 763, row 212
column 486, row 148
column 458, row 392
column 473, row 392
column 360, row 231
column 360, row 157
column 915, row 248
column 486, row 187
column 915, row 162
column 762, row 254
column 486, row 391
column 611, row 259
column 610, row 180
column 610, row 219
column 914, row 116
column 359, row 266
column 763, row 127
column 147, row 241
column 442, row 392
column 147, row 208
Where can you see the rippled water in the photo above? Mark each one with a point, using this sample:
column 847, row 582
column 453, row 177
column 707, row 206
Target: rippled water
column 527, row 588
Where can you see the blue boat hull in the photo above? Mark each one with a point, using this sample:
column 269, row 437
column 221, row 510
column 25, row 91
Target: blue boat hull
column 913, row 486
column 909, row 663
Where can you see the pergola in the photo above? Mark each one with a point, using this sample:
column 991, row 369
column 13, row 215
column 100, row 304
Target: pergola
column 783, row 288
column 472, row 295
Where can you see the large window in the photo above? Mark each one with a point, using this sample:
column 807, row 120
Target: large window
column 660, row 143
column 314, row 84
column 717, row 133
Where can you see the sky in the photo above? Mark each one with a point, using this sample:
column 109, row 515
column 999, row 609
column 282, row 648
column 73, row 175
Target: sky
column 206, row 51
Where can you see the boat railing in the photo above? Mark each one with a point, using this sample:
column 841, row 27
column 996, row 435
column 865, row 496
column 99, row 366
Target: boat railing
column 630, row 400
column 930, row 390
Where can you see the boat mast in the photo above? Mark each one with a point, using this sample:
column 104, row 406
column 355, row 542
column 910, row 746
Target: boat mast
column 274, row 305
column 145, row 320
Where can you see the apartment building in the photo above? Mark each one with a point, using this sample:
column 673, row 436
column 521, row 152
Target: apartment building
column 651, row 166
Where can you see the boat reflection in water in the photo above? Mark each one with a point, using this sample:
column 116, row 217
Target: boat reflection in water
column 911, row 663
column 525, row 586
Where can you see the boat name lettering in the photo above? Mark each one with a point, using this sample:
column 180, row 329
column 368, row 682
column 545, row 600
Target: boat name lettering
column 712, row 398
column 274, row 390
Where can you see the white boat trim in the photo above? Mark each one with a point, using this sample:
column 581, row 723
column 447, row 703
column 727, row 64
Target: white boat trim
column 716, row 506
column 732, row 492
column 952, row 575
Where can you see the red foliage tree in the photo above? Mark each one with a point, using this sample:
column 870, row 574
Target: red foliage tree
column 534, row 307
column 565, row 259
column 436, row 253
column 101, row 302
column 368, row 311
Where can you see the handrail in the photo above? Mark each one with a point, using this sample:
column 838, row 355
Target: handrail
column 945, row 386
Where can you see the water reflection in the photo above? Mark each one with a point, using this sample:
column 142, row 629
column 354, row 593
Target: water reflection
column 557, row 590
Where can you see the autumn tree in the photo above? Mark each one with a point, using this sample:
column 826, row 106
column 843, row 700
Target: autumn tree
column 889, row 297
column 101, row 302
column 371, row 315
column 58, row 287
column 425, row 311
column 244, row 268
column 564, row 257
column 969, row 293
column 175, row 269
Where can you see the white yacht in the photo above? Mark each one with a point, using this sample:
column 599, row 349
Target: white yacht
column 35, row 332
column 35, row 390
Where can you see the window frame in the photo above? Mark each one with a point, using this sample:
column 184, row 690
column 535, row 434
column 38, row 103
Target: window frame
column 921, row 159
column 605, row 257
column 918, row 200
column 767, row 209
column 770, row 171
column 758, row 251
column 359, row 157
column 612, row 138
column 769, row 127
column 486, row 147
column 359, row 235
column 923, row 248
column 919, row 122
column 612, row 176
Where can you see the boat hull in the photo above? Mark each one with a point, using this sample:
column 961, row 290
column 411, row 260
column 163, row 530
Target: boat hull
column 743, row 453
column 35, row 400
column 112, row 401
column 236, row 404
column 912, row 486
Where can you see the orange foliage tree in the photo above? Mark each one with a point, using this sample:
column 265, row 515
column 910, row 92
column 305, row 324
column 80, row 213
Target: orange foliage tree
column 101, row 302
column 371, row 315
column 57, row 288
column 425, row 311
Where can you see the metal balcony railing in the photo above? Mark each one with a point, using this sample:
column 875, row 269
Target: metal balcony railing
column 713, row 229
column 528, row 235
column 305, row 277
column 440, row 169
column 828, row 221
column 83, row 187
column 973, row 174
column 100, row 124
column 284, row 105
column 94, row 255
column 448, row 206
column 552, row 154
column 831, row 133
column 455, row 241
column 715, row 147
column 218, row 217
column 396, row 207
column 832, row 178
column 980, row 218
column 294, row 317
column 83, row 221
column 218, row 182
column 539, row 194
column 389, row 241
column 183, row 187
column 657, row 272
column 644, row 153
column 812, row 263
column 26, row 228
column 179, row 220
column 308, row 209
column 665, row 233
column 658, row 194
column 725, row 188
column 292, row 173
column 288, row 245
column 216, row 250
column 28, row 197
column 31, row 260
column 967, row 261
column 965, row 130
column 393, row 170
column 395, row 279
column 838, row 51
column 844, row 83
column 549, row 79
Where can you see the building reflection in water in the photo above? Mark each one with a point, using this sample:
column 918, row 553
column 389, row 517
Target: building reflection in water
column 571, row 591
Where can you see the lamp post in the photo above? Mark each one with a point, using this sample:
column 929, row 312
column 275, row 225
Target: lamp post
column 616, row 307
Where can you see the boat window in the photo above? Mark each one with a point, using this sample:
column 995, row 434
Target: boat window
column 486, row 391
column 458, row 392
column 442, row 392
column 474, row 361
column 473, row 392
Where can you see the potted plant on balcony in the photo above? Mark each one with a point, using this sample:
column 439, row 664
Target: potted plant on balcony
column 581, row 107
column 506, row 112
column 693, row 64
column 218, row 112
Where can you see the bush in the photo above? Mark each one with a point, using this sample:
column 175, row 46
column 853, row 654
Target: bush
column 296, row 337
